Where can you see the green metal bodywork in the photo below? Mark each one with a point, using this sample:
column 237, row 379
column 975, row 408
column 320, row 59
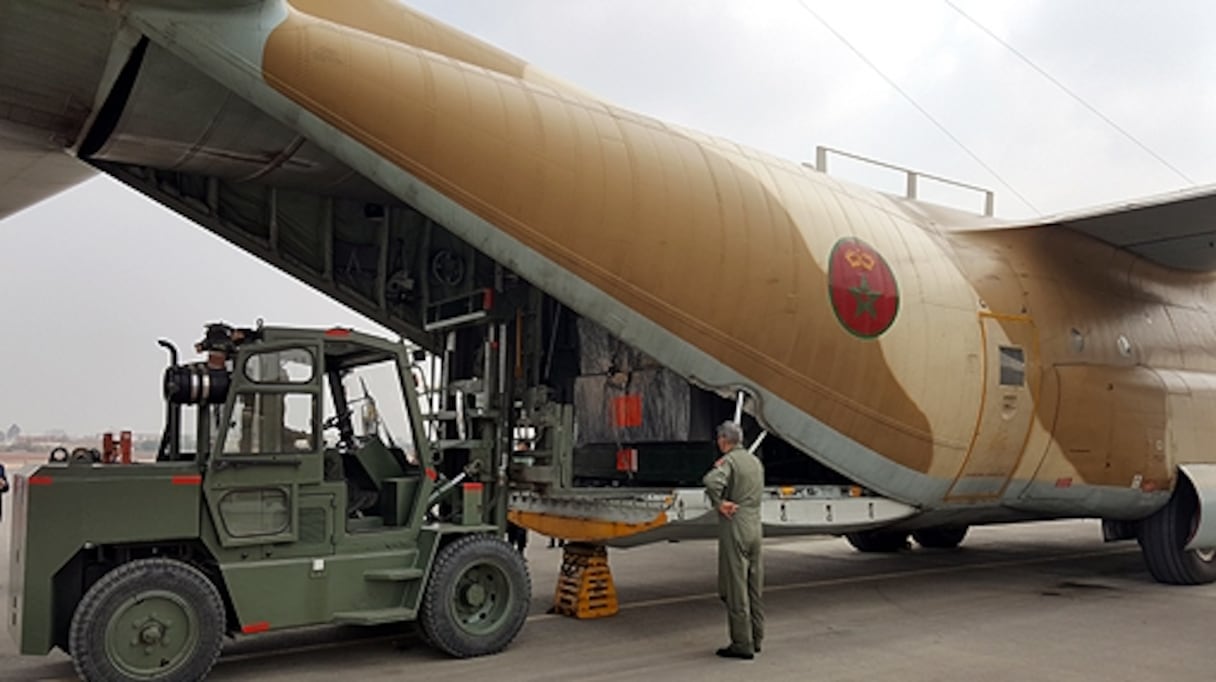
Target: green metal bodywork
column 61, row 509
column 269, row 529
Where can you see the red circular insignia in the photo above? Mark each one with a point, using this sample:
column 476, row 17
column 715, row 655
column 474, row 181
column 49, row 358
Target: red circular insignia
column 864, row 294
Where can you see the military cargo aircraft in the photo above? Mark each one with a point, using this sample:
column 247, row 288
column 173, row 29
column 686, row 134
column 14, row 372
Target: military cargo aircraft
column 623, row 283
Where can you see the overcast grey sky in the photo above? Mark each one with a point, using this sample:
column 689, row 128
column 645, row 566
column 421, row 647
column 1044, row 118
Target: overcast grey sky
column 90, row 279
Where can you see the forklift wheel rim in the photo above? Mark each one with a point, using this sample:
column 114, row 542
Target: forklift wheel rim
column 481, row 600
column 151, row 634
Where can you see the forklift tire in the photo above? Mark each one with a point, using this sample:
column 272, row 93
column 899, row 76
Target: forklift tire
column 477, row 598
column 151, row 619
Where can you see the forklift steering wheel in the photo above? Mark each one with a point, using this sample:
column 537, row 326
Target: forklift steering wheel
column 332, row 422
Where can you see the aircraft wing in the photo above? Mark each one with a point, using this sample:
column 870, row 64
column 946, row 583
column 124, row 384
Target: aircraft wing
column 46, row 93
column 29, row 174
column 1177, row 230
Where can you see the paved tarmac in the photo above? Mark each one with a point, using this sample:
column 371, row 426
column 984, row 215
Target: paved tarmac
column 1040, row 601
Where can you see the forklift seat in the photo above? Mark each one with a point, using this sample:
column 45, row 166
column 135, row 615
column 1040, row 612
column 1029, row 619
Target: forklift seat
column 378, row 480
column 372, row 463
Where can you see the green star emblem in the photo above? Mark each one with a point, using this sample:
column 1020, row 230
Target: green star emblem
column 865, row 297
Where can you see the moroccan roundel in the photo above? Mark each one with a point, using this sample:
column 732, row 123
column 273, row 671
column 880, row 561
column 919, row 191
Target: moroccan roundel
column 862, row 287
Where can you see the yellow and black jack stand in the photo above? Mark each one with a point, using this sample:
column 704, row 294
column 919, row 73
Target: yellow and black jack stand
column 584, row 587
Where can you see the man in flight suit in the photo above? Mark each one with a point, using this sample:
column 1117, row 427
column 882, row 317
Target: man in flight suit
column 734, row 486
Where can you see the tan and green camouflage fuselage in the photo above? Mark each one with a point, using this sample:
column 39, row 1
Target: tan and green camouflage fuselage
column 974, row 371
column 715, row 259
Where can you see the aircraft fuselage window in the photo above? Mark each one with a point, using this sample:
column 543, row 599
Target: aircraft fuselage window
column 1013, row 366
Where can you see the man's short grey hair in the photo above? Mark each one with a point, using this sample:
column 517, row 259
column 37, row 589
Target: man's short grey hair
column 731, row 432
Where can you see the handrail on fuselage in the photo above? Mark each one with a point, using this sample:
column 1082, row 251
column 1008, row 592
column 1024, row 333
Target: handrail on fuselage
column 912, row 176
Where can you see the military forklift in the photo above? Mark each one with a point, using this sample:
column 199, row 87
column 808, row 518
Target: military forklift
column 308, row 492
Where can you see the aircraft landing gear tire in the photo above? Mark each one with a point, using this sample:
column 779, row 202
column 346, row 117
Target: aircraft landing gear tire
column 152, row 619
column 940, row 538
column 477, row 598
column 1163, row 535
column 878, row 540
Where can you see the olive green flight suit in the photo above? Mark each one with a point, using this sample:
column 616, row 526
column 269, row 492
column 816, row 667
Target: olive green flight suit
column 739, row 477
